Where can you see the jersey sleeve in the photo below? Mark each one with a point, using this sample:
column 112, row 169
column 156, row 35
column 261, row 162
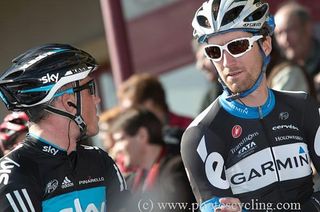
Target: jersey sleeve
column 311, row 122
column 117, row 191
column 202, row 155
column 17, row 190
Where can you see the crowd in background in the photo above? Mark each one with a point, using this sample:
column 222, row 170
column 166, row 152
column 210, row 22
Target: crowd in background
column 143, row 134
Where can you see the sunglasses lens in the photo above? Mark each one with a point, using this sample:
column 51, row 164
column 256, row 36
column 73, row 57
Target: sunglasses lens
column 238, row 47
column 213, row 52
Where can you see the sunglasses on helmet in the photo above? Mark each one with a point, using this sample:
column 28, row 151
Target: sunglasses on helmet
column 236, row 48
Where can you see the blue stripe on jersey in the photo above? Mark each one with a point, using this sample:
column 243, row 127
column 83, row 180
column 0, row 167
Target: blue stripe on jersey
column 46, row 142
column 93, row 199
column 237, row 109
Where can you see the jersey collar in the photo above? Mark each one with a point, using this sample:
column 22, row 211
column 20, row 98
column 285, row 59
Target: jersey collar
column 242, row 111
column 45, row 146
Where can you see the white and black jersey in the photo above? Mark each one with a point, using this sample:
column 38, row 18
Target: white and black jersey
column 38, row 176
column 254, row 153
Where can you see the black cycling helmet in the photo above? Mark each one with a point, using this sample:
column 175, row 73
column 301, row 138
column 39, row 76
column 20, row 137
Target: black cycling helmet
column 36, row 75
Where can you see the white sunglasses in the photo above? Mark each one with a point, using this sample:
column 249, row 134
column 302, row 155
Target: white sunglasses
column 236, row 48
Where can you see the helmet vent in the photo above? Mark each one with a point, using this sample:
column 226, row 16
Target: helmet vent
column 257, row 14
column 14, row 75
column 231, row 15
column 203, row 21
column 215, row 8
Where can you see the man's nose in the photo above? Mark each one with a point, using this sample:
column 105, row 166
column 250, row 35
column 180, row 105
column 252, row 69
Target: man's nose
column 228, row 59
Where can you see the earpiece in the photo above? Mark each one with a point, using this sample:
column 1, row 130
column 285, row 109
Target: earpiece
column 71, row 104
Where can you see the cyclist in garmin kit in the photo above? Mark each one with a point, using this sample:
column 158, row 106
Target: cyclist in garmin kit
column 252, row 144
column 50, row 170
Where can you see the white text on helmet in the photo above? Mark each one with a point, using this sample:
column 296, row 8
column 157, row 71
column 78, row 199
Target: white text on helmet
column 50, row 78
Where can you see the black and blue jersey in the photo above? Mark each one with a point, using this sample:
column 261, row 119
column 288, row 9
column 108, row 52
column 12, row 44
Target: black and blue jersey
column 39, row 176
column 254, row 153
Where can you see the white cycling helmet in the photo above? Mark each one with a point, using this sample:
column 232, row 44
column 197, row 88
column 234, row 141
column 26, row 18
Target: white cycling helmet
column 218, row 16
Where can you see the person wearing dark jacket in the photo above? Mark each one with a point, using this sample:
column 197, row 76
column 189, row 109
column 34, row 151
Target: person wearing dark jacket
column 160, row 177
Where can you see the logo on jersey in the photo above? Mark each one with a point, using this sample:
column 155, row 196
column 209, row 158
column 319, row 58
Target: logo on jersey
column 258, row 170
column 236, row 131
column 50, row 150
column 247, row 149
column 66, row 183
column 283, row 116
column 288, row 137
column 244, row 143
column 213, row 165
column 5, row 169
column 85, row 200
column 280, row 127
column 51, row 186
column 91, row 180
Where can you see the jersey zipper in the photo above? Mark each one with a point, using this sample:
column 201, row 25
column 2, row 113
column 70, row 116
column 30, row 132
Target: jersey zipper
column 265, row 132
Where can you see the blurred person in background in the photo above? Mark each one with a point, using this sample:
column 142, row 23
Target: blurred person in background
column 105, row 121
column 105, row 125
column 159, row 176
column 12, row 131
column 204, row 64
column 284, row 74
column 146, row 90
column 296, row 39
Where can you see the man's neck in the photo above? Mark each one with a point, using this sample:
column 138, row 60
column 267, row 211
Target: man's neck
column 151, row 155
column 258, row 97
column 60, row 137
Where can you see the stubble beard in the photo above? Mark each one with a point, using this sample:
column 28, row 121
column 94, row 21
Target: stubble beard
column 239, row 86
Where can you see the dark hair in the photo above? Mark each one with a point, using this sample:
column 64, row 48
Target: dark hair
column 134, row 118
column 142, row 87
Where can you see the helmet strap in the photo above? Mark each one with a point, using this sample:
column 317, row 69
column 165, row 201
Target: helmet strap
column 77, row 118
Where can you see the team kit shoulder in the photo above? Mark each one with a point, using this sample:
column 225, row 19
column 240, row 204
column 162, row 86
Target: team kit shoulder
column 291, row 95
column 18, row 189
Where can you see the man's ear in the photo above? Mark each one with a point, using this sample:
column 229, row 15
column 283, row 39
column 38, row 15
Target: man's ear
column 267, row 45
column 69, row 103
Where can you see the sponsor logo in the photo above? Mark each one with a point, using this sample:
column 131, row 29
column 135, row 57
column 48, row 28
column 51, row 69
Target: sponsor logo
column 283, row 116
column 288, row 137
column 66, row 183
column 244, row 141
column 50, row 150
column 91, row 180
column 252, row 24
column 240, row 110
column 51, row 186
column 270, row 166
column 90, row 207
column 280, row 127
column 247, row 148
column 214, row 166
column 6, row 166
column 90, row 147
column 50, row 78
column 236, row 131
